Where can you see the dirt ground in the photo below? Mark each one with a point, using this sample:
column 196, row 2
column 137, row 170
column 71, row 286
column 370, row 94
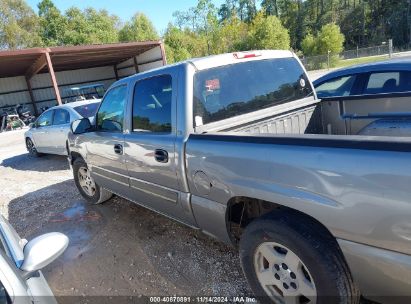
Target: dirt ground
column 117, row 248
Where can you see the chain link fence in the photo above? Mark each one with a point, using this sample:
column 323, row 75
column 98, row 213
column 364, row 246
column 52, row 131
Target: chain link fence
column 332, row 60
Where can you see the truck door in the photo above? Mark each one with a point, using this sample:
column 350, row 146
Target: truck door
column 105, row 146
column 150, row 146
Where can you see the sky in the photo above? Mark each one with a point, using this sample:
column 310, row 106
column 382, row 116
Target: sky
column 159, row 11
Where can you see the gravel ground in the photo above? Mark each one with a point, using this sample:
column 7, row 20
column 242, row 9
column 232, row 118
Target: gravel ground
column 117, row 248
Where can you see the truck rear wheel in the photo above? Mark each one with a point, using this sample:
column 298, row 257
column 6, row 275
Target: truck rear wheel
column 85, row 183
column 287, row 258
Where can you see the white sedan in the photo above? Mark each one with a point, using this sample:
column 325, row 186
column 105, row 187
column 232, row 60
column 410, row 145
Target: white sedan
column 49, row 133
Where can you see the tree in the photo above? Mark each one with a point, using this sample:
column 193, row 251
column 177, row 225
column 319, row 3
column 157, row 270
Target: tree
column 90, row 27
column 52, row 24
column 308, row 45
column 19, row 25
column 270, row 7
column 231, row 36
column 267, row 32
column 104, row 26
column 177, row 44
column 227, row 10
column 139, row 28
column 330, row 39
column 201, row 20
column 245, row 10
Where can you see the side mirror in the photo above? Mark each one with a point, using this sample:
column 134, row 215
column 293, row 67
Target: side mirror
column 43, row 250
column 81, row 126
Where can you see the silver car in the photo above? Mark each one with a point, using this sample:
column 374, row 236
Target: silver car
column 49, row 133
column 21, row 280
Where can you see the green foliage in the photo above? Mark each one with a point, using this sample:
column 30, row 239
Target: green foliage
column 232, row 36
column 245, row 10
column 90, row 27
column 329, row 39
column 267, row 32
column 308, row 45
column 176, row 45
column 313, row 26
column 140, row 28
column 52, row 24
column 19, row 25
column 198, row 32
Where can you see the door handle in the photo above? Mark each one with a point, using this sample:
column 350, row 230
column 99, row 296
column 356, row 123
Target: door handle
column 161, row 156
column 118, row 149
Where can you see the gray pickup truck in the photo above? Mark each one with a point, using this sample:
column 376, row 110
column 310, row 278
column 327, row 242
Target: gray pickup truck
column 239, row 147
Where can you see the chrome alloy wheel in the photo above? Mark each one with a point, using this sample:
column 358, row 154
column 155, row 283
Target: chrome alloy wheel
column 282, row 274
column 86, row 181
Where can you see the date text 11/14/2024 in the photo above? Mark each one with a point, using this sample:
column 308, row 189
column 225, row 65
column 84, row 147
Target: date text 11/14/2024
column 201, row 299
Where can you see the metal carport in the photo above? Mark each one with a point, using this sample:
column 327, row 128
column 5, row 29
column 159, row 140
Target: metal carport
column 37, row 76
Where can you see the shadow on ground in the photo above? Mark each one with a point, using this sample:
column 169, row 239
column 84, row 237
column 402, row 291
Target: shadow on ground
column 119, row 248
column 45, row 163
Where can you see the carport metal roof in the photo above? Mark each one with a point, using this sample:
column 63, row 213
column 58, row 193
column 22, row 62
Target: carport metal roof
column 29, row 62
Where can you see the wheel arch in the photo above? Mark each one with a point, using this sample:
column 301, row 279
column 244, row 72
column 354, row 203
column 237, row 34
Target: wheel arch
column 28, row 136
column 73, row 156
column 242, row 210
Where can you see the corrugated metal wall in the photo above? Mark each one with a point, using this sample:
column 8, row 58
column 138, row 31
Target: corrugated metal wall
column 13, row 90
column 149, row 60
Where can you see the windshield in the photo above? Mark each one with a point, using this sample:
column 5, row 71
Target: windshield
column 87, row 110
column 232, row 90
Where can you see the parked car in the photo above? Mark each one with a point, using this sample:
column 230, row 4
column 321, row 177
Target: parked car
column 21, row 280
column 49, row 133
column 373, row 85
column 385, row 77
column 86, row 92
column 237, row 146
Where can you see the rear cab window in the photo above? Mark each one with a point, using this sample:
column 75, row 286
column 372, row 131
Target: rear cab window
column 228, row 91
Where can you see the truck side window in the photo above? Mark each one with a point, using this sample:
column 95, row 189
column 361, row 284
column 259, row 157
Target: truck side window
column 110, row 116
column 152, row 104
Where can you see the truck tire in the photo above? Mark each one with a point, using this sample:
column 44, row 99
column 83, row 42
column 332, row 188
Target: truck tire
column 287, row 257
column 88, row 188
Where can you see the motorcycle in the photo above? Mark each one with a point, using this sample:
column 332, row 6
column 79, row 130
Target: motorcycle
column 24, row 115
column 10, row 122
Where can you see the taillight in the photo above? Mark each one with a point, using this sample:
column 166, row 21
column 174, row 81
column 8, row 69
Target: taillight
column 244, row 55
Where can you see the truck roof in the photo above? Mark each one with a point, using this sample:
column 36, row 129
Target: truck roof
column 236, row 57
column 212, row 61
